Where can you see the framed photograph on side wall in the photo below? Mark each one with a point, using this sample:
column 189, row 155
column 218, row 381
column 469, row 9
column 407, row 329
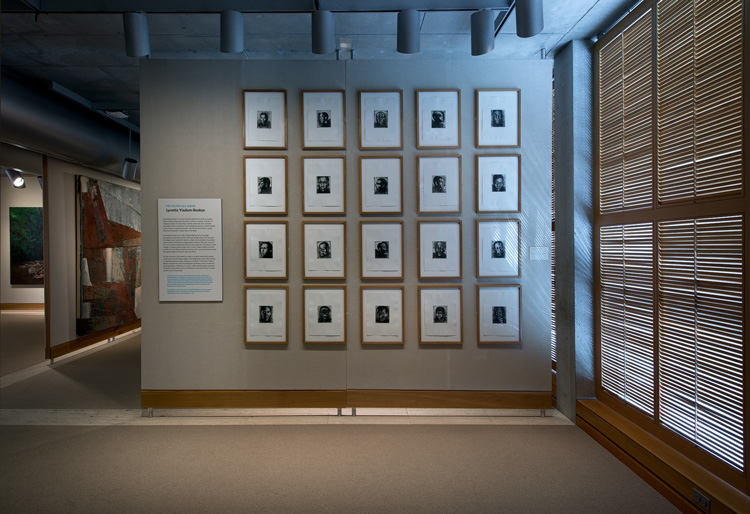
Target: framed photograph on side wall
column 439, row 118
column 382, row 249
column 498, row 118
column 498, row 248
column 381, row 120
column 324, row 314
column 324, row 249
column 382, row 320
column 323, row 185
column 498, row 183
column 266, row 315
column 266, row 250
column 264, row 114
column 381, row 185
column 440, row 315
column 499, row 319
column 323, row 120
column 439, row 184
column 439, row 249
column 265, row 185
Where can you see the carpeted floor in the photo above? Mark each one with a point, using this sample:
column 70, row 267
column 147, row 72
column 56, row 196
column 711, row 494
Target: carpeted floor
column 21, row 340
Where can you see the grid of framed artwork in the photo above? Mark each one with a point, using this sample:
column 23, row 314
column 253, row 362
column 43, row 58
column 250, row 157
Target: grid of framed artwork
column 384, row 254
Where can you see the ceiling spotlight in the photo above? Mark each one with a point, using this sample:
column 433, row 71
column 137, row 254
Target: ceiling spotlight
column 529, row 17
column 322, row 32
column 232, row 32
column 137, row 42
column 15, row 178
column 408, row 32
column 120, row 115
column 482, row 32
column 129, row 167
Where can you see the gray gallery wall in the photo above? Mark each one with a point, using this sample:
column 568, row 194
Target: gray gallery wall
column 192, row 148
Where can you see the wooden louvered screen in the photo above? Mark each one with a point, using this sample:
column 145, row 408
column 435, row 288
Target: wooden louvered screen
column 626, row 120
column 700, row 99
column 700, row 336
column 669, row 226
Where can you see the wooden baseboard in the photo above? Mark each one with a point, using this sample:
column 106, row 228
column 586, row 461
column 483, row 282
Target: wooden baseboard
column 21, row 306
column 664, row 468
column 238, row 399
column 89, row 340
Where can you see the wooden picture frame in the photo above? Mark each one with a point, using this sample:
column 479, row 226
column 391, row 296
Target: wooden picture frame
column 323, row 120
column 324, row 185
column 324, row 249
column 266, row 315
column 266, row 250
column 381, row 120
column 498, row 248
column 382, row 315
column 265, row 184
column 439, row 248
column 440, row 314
column 498, row 180
column 439, row 184
column 325, row 316
column 381, row 188
column 264, row 119
column 382, row 249
column 438, row 118
column 498, row 118
column 499, row 314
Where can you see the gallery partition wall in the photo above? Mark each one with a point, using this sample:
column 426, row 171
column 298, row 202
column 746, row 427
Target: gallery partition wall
column 464, row 281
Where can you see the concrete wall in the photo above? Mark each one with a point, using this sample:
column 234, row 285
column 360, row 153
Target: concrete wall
column 192, row 148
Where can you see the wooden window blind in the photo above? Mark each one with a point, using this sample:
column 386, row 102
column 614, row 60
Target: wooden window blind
column 626, row 119
column 701, row 336
column 627, row 308
column 699, row 99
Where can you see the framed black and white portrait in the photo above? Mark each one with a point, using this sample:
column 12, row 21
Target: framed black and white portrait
column 498, row 248
column 380, row 183
column 265, row 125
column 382, row 249
column 440, row 315
column 323, row 120
column 382, row 319
column 439, row 184
column 498, row 183
column 439, row 118
column 266, row 250
column 324, row 314
column 324, row 249
column 498, row 118
column 439, row 249
column 266, row 315
column 323, row 185
column 381, row 120
column 499, row 319
column 265, row 185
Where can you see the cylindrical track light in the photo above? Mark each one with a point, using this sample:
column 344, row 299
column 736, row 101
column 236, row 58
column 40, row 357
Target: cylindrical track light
column 322, row 32
column 129, row 167
column 482, row 32
column 137, row 42
column 15, row 178
column 232, row 32
column 529, row 17
column 408, row 32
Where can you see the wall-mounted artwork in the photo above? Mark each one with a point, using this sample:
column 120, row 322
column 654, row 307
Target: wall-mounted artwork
column 109, row 251
column 264, row 114
column 26, row 226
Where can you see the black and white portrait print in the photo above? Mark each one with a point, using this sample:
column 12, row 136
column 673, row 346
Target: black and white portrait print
column 382, row 314
column 440, row 314
column 264, row 119
column 498, row 315
column 382, row 249
column 265, row 249
column 498, row 183
column 324, row 314
column 498, row 250
column 497, row 118
column 438, row 119
column 381, row 119
column 439, row 250
column 264, row 186
column 324, row 119
column 266, row 314
column 323, row 185
column 324, row 249
column 381, row 185
column 439, row 184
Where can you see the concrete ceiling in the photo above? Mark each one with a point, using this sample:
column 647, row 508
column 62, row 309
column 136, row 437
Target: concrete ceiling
column 80, row 46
